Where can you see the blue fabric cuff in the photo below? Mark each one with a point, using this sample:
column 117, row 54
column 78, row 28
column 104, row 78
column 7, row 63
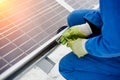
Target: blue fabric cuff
column 95, row 18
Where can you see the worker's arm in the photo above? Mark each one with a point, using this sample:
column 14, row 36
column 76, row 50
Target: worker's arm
column 92, row 17
column 108, row 43
column 90, row 24
column 93, row 25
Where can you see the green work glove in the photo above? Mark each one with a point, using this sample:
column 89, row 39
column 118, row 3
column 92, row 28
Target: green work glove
column 75, row 32
column 78, row 46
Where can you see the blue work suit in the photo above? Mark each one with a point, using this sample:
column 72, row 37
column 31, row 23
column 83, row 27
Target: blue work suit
column 103, row 59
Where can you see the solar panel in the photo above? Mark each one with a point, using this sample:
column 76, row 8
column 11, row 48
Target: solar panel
column 26, row 24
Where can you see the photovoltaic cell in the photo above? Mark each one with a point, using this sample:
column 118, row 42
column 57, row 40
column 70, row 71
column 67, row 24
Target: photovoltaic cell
column 82, row 4
column 26, row 24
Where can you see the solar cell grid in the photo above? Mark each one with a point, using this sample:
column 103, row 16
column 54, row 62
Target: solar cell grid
column 25, row 25
column 82, row 4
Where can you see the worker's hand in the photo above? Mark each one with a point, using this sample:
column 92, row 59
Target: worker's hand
column 75, row 32
column 77, row 46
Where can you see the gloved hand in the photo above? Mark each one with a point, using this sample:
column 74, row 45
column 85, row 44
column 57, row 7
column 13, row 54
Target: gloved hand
column 78, row 46
column 75, row 32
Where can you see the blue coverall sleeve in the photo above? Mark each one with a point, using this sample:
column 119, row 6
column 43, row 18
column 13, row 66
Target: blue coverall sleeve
column 78, row 17
column 107, row 44
column 94, row 17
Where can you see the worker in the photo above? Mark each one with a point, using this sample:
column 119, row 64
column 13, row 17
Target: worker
column 95, row 57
